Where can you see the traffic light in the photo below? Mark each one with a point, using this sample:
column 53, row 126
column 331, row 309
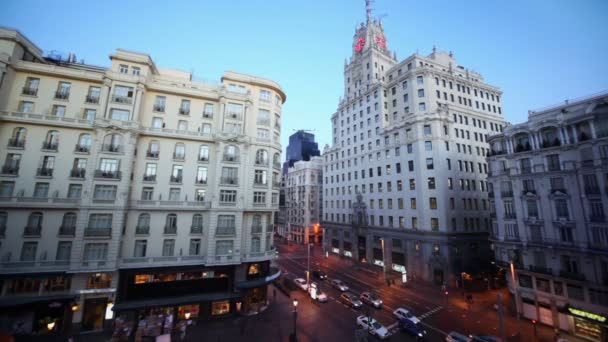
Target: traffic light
column 533, row 321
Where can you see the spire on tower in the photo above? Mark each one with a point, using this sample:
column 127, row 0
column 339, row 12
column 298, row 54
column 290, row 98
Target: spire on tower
column 368, row 10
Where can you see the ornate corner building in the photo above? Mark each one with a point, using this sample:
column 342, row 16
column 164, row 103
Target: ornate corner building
column 132, row 190
column 548, row 181
column 407, row 162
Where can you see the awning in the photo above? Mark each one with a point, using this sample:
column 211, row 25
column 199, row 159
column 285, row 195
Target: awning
column 171, row 301
column 275, row 273
column 8, row 301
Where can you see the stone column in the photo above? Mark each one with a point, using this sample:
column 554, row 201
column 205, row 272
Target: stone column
column 104, row 97
column 592, row 128
column 139, row 94
column 574, row 136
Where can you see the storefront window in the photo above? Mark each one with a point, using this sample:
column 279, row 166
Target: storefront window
column 586, row 328
column 59, row 283
column 24, row 285
column 165, row 277
column 254, row 269
column 142, row 278
column 99, row 281
column 187, row 311
column 220, row 308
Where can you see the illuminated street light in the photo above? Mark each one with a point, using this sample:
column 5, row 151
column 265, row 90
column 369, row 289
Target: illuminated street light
column 295, row 316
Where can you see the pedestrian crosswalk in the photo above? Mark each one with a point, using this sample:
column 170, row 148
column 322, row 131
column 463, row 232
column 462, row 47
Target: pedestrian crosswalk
column 427, row 314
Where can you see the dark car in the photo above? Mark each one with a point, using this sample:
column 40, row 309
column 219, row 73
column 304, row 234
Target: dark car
column 411, row 328
column 319, row 274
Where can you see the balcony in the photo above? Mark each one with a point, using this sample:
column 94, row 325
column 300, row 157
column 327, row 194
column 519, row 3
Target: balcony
column 261, row 162
column 152, row 154
column 540, row 269
column 572, row 275
column 44, row 172
column 508, row 193
column 592, row 190
column 50, row 145
column 207, row 114
column 77, row 173
column 522, row 148
column 554, row 190
column 548, row 144
column 62, row 95
column 92, row 99
column 554, row 167
column 107, row 174
column 225, row 231
column 200, row 181
column 256, row 229
column 170, row 230
column 510, row 216
column 98, row 232
column 82, row 148
column 67, row 231
column 526, row 170
column 229, row 180
column 176, row 179
column 196, row 229
column 179, row 156
column 184, row 111
column 158, row 108
column 149, row 178
column 230, row 158
column 142, row 230
column 597, row 218
column 32, row 231
column 260, row 183
column 203, row 158
column 528, row 192
column 122, row 99
column 16, row 143
column 110, row 148
column 234, row 115
column 29, row 91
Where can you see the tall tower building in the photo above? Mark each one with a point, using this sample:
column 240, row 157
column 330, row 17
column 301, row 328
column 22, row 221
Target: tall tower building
column 407, row 161
column 302, row 146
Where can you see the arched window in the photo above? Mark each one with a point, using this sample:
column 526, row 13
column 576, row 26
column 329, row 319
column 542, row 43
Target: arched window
column 153, row 149
column 35, row 220
column 197, row 223
column 69, row 220
column 52, row 141
column 203, row 153
column 522, row 142
column 18, row 137
column 111, row 142
column 206, row 129
column 171, row 224
column 231, row 153
column 143, row 224
column 261, row 157
column 180, row 151
column 549, row 137
column 84, row 143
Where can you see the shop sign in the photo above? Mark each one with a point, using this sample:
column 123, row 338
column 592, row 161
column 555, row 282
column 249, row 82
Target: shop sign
column 348, row 254
column 399, row 268
column 93, row 291
column 588, row 315
column 335, row 250
column 55, row 305
column 378, row 262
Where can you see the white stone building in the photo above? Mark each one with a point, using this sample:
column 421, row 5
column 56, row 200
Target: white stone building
column 410, row 137
column 303, row 201
column 549, row 177
column 132, row 187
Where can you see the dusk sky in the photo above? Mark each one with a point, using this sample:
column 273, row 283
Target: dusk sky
column 538, row 52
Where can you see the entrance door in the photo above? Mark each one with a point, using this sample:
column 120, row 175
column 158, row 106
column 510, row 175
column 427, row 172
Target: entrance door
column 93, row 314
column 438, row 276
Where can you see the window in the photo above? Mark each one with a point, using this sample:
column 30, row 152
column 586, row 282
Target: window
column 431, row 183
column 206, row 128
column 63, row 91
column 434, row 224
column 263, row 117
column 259, row 197
column 184, row 108
column 168, row 247
column 95, row 251
column 105, row 192
column 93, row 95
column 422, row 106
column 419, row 80
column 89, row 114
column 74, row 190
column 420, row 92
column 260, row 177
column 201, row 175
column 553, row 162
column 412, row 203
column 227, row 196
column 203, row 153
column 561, row 209
column 41, row 190
column 182, row 125
column 177, row 173
column 28, row 251
column 64, row 250
column 195, row 247
column 7, row 188
column 179, row 151
column 429, row 164
column 412, row 184
column 174, row 194
column 433, row 202
column 140, row 248
column 224, row 247
column 123, row 69
column 157, row 123
column 427, row 129
column 200, row 195
column 58, row 111
column 121, row 115
column 428, row 145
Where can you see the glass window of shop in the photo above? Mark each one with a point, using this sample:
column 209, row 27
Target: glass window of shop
column 220, row 308
column 99, row 281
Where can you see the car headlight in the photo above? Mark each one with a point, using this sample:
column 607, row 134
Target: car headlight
column 420, row 334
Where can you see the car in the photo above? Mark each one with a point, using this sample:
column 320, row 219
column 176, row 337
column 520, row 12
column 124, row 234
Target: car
column 319, row 274
column 411, row 328
column 457, row 337
column 403, row 313
column 351, row 299
column 316, row 293
column 373, row 326
column 337, row 283
column 370, row 298
column 485, row 338
column 301, row 283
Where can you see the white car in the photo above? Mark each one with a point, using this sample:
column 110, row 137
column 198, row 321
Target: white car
column 373, row 326
column 316, row 293
column 406, row 314
column 339, row 285
column 301, row 283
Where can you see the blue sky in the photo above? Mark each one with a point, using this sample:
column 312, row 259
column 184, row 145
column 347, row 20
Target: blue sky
column 539, row 52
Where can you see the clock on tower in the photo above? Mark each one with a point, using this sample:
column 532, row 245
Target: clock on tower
column 381, row 41
column 360, row 44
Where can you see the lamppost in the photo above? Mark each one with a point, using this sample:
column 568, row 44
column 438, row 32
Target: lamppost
column 308, row 267
column 516, row 298
column 295, row 316
column 383, row 259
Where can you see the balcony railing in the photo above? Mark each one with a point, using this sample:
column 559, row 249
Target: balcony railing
column 554, row 167
column 151, row 154
column 572, row 275
column 196, row 229
column 512, row 238
column 149, row 178
column 44, row 172
column 62, row 95
column 263, row 122
column 29, row 91
column 10, row 170
column 16, row 142
column 261, row 162
column 107, row 174
column 231, row 157
column 176, row 179
column 528, row 191
column 592, row 190
column 554, row 190
column 203, row 158
column 207, row 114
column 67, row 230
column 541, row 269
column 260, row 183
column 170, row 230
column 32, row 230
column 597, row 218
column 229, row 180
column 234, row 115
column 122, row 99
column 142, row 230
column 179, row 156
column 158, row 108
column 91, row 99
column 110, row 148
column 225, row 230
column 256, row 229
column 184, row 111
column 200, row 181
column 82, row 148
column 510, row 216
column 50, row 145
column 504, row 194
column 98, row 232
column 77, row 173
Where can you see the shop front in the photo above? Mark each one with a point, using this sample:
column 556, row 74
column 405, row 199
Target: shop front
column 589, row 325
column 254, row 290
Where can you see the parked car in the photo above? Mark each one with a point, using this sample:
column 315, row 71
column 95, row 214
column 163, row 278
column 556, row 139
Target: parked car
column 411, row 328
column 319, row 274
column 316, row 293
column 370, row 298
column 351, row 300
column 337, row 283
column 301, row 283
column 373, row 326
column 403, row 313
column 457, row 337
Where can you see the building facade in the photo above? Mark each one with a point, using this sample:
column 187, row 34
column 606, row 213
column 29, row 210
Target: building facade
column 302, row 146
column 303, row 201
column 407, row 162
column 128, row 190
column 548, row 183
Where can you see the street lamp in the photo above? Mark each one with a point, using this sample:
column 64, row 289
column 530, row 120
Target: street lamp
column 308, row 268
column 50, row 325
column 516, row 298
column 295, row 316
column 383, row 259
